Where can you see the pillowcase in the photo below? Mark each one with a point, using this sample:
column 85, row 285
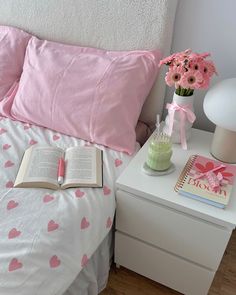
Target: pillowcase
column 93, row 94
column 13, row 44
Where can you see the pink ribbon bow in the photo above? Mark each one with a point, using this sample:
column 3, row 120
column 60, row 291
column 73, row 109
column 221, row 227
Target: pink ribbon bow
column 185, row 113
column 215, row 181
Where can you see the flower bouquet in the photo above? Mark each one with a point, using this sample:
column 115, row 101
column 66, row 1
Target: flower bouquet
column 187, row 71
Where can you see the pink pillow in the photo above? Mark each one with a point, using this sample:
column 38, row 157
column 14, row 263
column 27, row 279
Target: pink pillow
column 13, row 44
column 89, row 93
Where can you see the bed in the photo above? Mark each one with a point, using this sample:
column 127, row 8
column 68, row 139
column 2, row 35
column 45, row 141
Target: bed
column 60, row 242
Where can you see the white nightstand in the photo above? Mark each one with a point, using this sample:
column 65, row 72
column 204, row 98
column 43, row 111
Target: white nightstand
column 164, row 236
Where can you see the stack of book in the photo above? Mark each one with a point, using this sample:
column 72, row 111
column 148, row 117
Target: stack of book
column 207, row 180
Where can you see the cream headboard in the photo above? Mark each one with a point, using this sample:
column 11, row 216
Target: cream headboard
column 108, row 24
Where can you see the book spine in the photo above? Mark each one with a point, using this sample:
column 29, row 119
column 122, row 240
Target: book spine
column 185, row 172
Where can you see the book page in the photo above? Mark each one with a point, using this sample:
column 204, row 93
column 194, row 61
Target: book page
column 40, row 164
column 81, row 166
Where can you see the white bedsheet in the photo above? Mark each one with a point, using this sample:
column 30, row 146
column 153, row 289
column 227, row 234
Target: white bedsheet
column 46, row 237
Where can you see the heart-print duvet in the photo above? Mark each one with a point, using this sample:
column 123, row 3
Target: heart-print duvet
column 47, row 237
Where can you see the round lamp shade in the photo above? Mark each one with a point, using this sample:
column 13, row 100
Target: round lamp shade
column 220, row 104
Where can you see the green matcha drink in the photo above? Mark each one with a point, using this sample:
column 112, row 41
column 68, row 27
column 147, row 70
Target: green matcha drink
column 159, row 153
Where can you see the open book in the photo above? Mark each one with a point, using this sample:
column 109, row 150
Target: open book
column 39, row 167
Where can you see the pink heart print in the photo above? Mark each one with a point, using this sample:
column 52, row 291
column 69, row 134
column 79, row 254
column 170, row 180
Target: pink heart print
column 118, row 162
column 54, row 261
column 84, row 260
column 84, row 223
column 14, row 264
column 55, row 137
column 32, row 142
column 13, row 233
column 12, row 204
column 26, row 127
column 48, row 198
column 109, row 222
column 79, row 193
column 6, row 146
column 52, row 225
column 8, row 164
column 9, row 184
column 2, row 130
column 106, row 190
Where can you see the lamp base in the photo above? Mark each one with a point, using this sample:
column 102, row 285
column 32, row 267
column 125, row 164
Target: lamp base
column 223, row 146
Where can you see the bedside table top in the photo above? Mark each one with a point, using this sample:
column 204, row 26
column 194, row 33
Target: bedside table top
column 160, row 189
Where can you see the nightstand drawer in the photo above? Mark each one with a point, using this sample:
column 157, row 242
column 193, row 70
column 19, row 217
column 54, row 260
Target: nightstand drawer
column 179, row 274
column 181, row 234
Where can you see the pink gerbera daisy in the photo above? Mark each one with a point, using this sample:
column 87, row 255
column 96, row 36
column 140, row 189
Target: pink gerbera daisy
column 205, row 83
column 207, row 68
column 195, row 64
column 174, row 75
column 191, row 79
column 168, row 60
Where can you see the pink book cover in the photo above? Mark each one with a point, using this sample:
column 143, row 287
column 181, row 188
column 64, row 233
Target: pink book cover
column 194, row 181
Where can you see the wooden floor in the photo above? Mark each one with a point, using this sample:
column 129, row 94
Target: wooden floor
column 125, row 282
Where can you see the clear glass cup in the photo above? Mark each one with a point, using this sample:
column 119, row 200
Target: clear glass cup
column 159, row 153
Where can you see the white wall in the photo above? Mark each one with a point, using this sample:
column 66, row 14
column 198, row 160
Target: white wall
column 207, row 26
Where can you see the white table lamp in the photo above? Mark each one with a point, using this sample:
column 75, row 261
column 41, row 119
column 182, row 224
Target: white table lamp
column 220, row 107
